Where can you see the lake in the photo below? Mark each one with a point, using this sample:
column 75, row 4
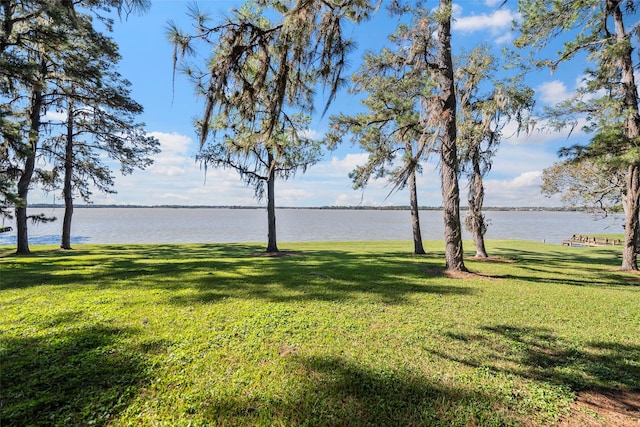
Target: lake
column 219, row 225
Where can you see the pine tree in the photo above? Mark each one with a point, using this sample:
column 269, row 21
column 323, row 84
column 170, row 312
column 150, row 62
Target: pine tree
column 34, row 51
column 392, row 128
column 608, row 99
column 266, row 61
column 485, row 106
column 432, row 55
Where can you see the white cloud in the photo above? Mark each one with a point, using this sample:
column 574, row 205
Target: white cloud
column 497, row 21
column 336, row 167
column 313, row 134
column 173, row 197
column 364, row 198
column 553, row 92
column 55, row 116
column 522, row 190
column 349, row 162
column 505, row 38
column 293, row 193
column 526, row 179
column 173, row 142
column 345, row 199
column 174, row 159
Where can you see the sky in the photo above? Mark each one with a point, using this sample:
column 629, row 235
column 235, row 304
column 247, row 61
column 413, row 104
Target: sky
column 170, row 107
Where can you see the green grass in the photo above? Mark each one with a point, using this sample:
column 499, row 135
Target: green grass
column 357, row 333
column 618, row 236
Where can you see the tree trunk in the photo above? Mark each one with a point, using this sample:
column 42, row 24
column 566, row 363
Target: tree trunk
column 7, row 23
column 630, row 248
column 454, row 254
column 475, row 218
column 21, row 222
column 272, row 245
column 29, row 166
column 632, row 129
column 23, row 193
column 418, row 249
column 68, row 180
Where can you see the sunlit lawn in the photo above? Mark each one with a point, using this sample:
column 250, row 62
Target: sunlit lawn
column 332, row 334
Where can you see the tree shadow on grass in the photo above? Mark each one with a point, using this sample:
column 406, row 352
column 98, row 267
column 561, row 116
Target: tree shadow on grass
column 568, row 266
column 604, row 375
column 217, row 272
column 334, row 391
column 536, row 353
column 587, row 278
column 113, row 263
column 594, row 364
column 561, row 256
column 335, row 275
column 74, row 377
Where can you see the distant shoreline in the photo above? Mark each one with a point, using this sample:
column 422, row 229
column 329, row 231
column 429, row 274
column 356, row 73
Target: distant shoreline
column 382, row 208
column 123, row 225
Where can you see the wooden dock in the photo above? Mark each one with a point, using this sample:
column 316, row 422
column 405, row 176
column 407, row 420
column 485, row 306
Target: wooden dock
column 579, row 240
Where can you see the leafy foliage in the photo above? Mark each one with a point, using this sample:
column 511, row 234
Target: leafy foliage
column 607, row 100
column 284, row 154
column 586, row 183
column 267, row 57
column 43, row 68
column 100, row 116
column 485, row 107
column 393, row 127
column 266, row 60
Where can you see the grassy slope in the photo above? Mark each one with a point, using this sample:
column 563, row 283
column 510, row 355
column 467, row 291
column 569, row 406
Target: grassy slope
column 334, row 334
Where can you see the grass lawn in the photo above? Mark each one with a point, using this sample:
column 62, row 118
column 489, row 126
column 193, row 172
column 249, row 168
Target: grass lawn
column 354, row 333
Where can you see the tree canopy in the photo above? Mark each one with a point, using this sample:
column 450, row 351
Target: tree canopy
column 486, row 105
column 40, row 62
column 391, row 131
column 606, row 32
column 266, row 60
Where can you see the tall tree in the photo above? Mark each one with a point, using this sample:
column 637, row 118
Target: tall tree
column 90, row 132
column 485, row 106
column 608, row 100
column 260, row 162
column 267, row 59
column 34, row 37
column 100, row 121
column 391, row 128
column 426, row 54
column 454, row 253
column 28, row 152
column 26, row 26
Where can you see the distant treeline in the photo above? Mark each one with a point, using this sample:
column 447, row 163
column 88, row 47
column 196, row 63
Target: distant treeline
column 378, row 208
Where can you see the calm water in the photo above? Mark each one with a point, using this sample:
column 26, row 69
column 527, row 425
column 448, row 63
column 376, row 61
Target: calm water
column 180, row 225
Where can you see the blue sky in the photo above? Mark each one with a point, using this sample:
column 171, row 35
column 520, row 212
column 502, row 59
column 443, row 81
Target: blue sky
column 175, row 177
